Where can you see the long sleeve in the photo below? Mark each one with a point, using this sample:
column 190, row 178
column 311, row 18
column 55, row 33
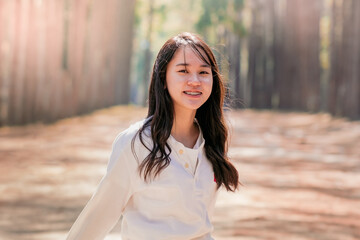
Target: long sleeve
column 107, row 203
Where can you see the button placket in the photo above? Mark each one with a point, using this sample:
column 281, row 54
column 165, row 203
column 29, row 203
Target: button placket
column 183, row 157
column 181, row 153
column 186, row 164
column 197, row 166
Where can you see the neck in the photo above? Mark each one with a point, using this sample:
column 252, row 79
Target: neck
column 184, row 129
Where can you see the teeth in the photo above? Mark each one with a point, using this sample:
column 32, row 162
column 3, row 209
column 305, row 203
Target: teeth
column 193, row 93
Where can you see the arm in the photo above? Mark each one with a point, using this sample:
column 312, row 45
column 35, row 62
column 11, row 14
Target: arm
column 107, row 203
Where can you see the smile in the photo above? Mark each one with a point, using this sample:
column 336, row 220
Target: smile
column 192, row 93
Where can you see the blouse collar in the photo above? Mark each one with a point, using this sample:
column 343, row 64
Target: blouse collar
column 200, row 142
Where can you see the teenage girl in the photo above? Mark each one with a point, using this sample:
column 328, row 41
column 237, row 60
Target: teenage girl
column 164, row 172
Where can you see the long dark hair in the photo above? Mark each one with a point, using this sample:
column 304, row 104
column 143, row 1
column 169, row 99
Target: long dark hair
column 209, row 116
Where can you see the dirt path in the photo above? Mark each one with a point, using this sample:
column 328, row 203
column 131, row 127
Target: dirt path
column 301, row 175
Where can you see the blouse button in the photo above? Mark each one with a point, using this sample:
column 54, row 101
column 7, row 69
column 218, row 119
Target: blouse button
column 186, row 165
column 181, row 151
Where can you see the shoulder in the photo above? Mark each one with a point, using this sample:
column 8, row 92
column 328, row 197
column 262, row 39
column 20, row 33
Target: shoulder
column 125, row 138
column 124, row 144
column 129, row 140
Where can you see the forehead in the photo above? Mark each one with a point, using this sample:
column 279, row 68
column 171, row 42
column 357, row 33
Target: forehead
column 188, row 55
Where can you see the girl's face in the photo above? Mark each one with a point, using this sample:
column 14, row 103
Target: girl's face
column 189, row 80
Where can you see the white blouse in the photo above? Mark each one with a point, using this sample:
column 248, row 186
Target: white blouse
column 178, row 204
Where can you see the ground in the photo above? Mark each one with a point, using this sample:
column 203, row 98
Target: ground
column 300, row 174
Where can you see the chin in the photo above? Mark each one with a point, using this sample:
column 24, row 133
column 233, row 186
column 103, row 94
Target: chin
column 194, row 107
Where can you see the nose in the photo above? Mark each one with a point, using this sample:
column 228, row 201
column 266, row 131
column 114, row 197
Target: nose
column 193, row 80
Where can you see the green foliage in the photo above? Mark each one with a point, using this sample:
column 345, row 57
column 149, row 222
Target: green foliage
column 213, row 13
column 137, row 15
column 221, row 13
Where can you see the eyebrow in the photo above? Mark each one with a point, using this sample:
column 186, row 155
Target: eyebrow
column 186, row 64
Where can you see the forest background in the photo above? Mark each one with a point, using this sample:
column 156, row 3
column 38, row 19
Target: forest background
column 292, row 72
column 65, row 58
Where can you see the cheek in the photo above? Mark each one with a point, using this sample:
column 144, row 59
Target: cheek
column 171, row 85
column 171, row 80
column 208, row 84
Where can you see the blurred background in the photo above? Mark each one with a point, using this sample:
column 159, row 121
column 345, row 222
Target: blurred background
column 64, row 58
column 73, row 73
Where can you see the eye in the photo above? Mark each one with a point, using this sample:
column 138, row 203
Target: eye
column 183, row 71
column 204, row 72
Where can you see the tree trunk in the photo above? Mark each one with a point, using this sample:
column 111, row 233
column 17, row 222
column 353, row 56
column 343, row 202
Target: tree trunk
column 351, row 63
column 7, row 40
column 336, row 57
column 344, row 86
column 147, row 53
column 279, row 86
column 17, row 108
column 260, row 73
column 302, row 67
column 233, row 45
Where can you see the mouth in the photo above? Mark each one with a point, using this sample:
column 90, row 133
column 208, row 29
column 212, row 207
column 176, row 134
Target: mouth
column 191, row 93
